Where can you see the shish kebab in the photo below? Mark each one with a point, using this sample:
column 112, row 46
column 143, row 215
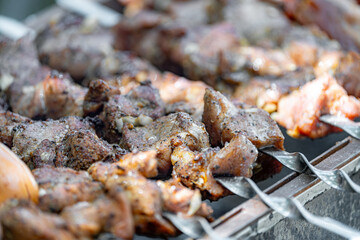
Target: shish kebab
column 296, row 124
column 302, row 167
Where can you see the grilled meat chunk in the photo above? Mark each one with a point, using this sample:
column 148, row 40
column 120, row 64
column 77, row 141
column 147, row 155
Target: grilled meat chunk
column 8, row 123
column 307, row 45
column 198, row 51
column 24, row 220
column 139, row 107
column 80, row 149
column 73, row 44
column 342, row 25
column 265, row 92
column 237, row 63
column 163, row 134
column 146, row 204
column 144, row 163
column 19, row 68
column 54, row 97
column 99, row 93
column 347, row 73
column 177, row 91
column 62, row 98
column 118, row 63
column 28, row 138
column 180, row 199
column 197, row 169
column 16, row 55
column 223, row 121
column 61, row 187
column 300, row 111
column 111, row 213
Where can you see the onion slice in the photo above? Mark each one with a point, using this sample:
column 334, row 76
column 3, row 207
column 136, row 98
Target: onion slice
column 16, row 179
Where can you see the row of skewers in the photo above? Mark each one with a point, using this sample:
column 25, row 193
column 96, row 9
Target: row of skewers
column 138, row 109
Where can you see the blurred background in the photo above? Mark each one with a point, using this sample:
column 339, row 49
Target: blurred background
column 20, row 9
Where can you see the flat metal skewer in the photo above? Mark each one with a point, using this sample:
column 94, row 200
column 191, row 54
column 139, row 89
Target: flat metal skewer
column 194, row 227
column 14, row 29
column 297, row 162
column 107, row 17
column 351, row 127
column 288, row 207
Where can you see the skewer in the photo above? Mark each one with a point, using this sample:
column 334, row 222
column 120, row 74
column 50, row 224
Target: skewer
column 14, row 29
column 106, row 16
column 288, row 207
column 351, row 127
column 194, row 227
column 297, row 162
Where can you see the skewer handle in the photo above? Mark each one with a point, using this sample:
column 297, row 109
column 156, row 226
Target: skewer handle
column 14, row 29
column 106, row 16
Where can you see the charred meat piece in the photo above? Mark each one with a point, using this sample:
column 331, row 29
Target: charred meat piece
column 144, row 163
column 9, row 121
column 300, row 111
column 163, row 134
column 146, row 203
column 197, row 169
column 19, row 68
column 342, row 25
column 61, row 187
column 73, row 44
column 62, row 98
column 99, row 93
column 24, row 220
column 29, row 139
column 139, row 107
column 198, row 51
column 223, row 121
column 81, row 148
column 54, row 97
column 179, row 199
column 140, row 33
column 111, row 213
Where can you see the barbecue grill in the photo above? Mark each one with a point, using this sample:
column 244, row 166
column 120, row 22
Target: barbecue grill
column 242, row 219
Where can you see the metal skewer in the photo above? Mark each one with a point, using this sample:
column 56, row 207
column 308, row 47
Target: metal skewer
column 14, row 29
column 288, row 207
column 107, row 17
column 297, row 162
column 195, row 227
column 351, row 127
